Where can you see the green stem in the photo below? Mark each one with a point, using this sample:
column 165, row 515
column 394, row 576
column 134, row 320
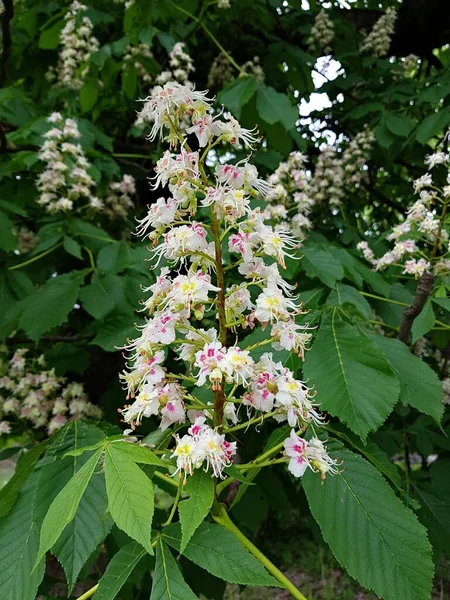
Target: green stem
column 89, row 593
column 383, row 299
column 175, row 504
column 223, row 519
column 35, row 258
column 91, row 257
column 214, row 39
column 267, row 463
column 166, row 479
column 252, row 421
column 121, row 155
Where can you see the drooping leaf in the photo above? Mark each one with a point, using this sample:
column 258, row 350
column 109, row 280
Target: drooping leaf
column 72, row 247
column 219, row 552
column 341, row 363
column 19, row 543
column 65, row 505
column 168, row 582
column 118, row 571
column 51, row 306
column 373, row 535
column 194, row 510
column 130, row 497
column 346, row 294
column 419, row 385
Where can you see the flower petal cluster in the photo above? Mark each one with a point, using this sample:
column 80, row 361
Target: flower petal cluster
column 191, row 288
column 378, row 41
column 322, row 33
column 36, row 396
column 308, row 454
column 421, row 240
column 118, row 202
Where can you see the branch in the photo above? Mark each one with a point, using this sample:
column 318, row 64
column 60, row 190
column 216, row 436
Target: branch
column 423, row 291
column 6, row 17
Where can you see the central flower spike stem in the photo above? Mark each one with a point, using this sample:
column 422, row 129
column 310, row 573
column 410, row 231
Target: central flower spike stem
column 219, row 394
column 223, row 519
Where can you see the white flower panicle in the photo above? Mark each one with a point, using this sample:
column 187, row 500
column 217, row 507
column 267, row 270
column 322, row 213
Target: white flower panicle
column 65, row 179
column 27, row 240
column 119, row 200
column 133, row 56
column 322, row 33
column 35, row 396
column 421, row 241
column 378, row 41
column 192, row 289
column 78, row 43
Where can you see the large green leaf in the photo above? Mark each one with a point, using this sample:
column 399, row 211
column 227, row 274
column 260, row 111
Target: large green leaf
column 64, row 507
column 419, row 385
column 346, row 294
column 88, row 529
column 168, row 582
column 130, row 497
column 372, row 534
column 194, row 510
column 19, row 543
column 51, row 306
column 105, row 294
column 139, row 454
column 118, row 571
column 114, row 331
column 219, row 552
column 423, row 322
column 354, row 381
column 319, row 262
column 274, row 107
column 237, row 94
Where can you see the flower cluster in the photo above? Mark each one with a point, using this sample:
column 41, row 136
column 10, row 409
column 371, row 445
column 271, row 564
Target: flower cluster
column 118, row 202
column 312, row 454
column 191, row 288
column 27, row 240
column 134, row 55
column 290, row 192
column 221, row 72
column 378, row 41
column 35, row 396
column 181, row 66
column 322, row 33
column 65, row 178
column 78, row 44
column 421, row 241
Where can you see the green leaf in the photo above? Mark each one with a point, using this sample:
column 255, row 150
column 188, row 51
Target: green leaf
column 398, row 124
column 118, row 571
column 318, row 261
column 65, row 505
column 50, row 37
column 274, row 107
column 218, row 551
column 88, row 529
column 342, row 363
column 25, row 466
column 104, row 295
column 237, row 94
column 346, row 294
column 195, row 509
column 432, row 125
column 130, row 497
column 19, row 542
column 138, row 454
column 89, row 92
column 423, row 322
column 51, row 306
column 72, row 247
column 113, row 332
column 419, row 385
column 372, row 534
column 168, row 582
column 129, row 81
column 8, row 241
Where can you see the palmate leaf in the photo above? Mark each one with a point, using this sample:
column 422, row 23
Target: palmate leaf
column 130, row 497
column 218, row 551
column 373, row 535
column 118, row 571
column 354, row 380
column 64, row 507
column 139, row 454
column 318, row 261
column 168, row 582
column 193, row 511
column 419, row 385
column 19, row 543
